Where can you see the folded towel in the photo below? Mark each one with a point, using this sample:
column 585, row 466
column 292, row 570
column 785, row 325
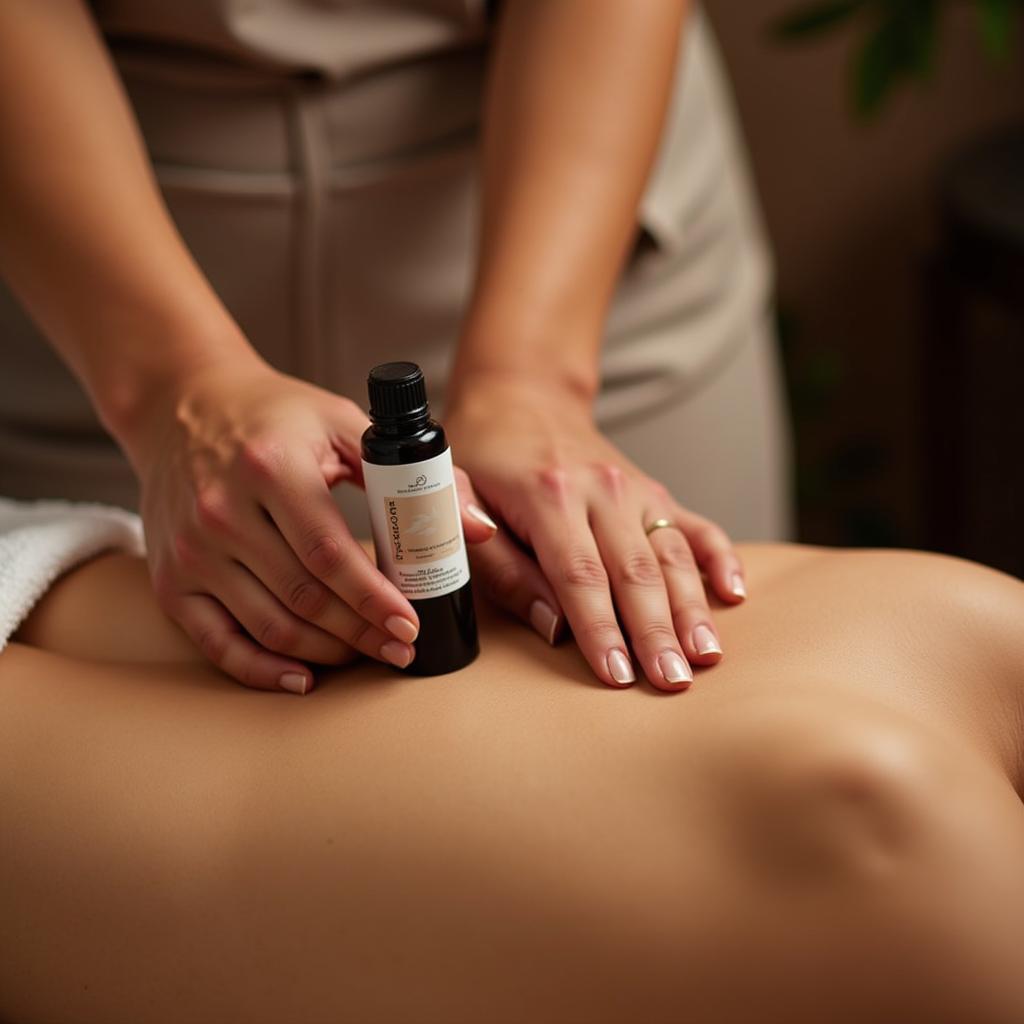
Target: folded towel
column 40, row 540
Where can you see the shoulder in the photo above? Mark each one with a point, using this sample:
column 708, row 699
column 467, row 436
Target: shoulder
column 933, row 635
column 921, row 582
column 956, row 607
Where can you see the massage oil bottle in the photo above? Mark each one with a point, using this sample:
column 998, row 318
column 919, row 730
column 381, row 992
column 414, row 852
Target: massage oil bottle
column 415, row 518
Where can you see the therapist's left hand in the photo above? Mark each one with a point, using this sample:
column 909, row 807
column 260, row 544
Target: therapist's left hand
column 572, row 510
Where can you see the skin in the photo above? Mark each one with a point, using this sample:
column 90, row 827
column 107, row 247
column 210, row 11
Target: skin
column 827, row 827
column 235, row 460
column 574, row 110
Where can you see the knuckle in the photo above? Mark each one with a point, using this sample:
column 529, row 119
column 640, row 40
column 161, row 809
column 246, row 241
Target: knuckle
column 359, row 631
column 504, row 581
column 362, row 606
column 639, row 569
column 655, row 634
column 185, row 549
column 554, row 483
column 262, row 457
column 275, row 635
column 712, row 537
column 582, row 569
column 212, row 509
column 323, row 555
column 308, row 598
column 611, row 476
column 600, row 631
column 676, row 555
column 690, row 610
column 213, row 642
column 251, row 672
column 662, row 495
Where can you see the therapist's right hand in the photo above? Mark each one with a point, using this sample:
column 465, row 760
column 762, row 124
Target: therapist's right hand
column 247, row 551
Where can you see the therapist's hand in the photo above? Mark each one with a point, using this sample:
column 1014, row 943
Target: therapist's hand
column 578, row 506
column 247, row 550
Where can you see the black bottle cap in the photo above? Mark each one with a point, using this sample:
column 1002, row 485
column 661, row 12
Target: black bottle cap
column 396, row 389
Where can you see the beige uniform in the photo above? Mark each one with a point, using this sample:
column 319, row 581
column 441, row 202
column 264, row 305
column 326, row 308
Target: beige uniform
column 319, row 159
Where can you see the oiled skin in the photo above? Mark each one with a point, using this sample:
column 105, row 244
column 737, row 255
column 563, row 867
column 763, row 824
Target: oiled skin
column 823, row 828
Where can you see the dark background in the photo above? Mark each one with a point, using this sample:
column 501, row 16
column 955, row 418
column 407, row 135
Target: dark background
column 852, row 210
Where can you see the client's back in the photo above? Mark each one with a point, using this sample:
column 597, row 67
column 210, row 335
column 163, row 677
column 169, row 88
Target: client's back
column 823, row 827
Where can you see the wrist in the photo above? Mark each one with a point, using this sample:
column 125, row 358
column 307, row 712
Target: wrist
column 575, row 380
column 475, row 394
column 132, row 400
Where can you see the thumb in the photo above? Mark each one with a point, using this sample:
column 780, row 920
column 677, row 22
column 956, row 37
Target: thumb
column 477, row 525
column 344, row 423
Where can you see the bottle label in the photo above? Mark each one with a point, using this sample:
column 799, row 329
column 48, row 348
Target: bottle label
column 417, row 527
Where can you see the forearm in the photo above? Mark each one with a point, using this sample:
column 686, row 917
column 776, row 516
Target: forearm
column 87, row 244
column 574, row 109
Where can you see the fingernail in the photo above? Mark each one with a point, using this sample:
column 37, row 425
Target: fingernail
column 738, row 587
column 479, row 513
column 402, row 628
column 543, row 619
column 705, row 640
column 398, row 654
column 293, row 682
column 620, row 667
column 674, row 668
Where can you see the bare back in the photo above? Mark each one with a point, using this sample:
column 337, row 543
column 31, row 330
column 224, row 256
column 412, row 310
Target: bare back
column 515, row 840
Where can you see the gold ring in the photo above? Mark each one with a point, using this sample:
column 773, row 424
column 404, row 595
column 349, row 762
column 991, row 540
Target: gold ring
column 657, row 524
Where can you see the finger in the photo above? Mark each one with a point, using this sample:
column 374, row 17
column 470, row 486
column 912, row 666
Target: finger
column 639, row 590
column 562, row 540
column 512, row 579
column 509, row 576
column 215, row 632
column 274, row 627
column 714, row 553
column 691, row 615
column 477, row 525
column 294, row 494
column 251, row 540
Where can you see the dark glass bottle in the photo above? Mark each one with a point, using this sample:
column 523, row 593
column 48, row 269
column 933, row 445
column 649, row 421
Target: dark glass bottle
column 415, row 517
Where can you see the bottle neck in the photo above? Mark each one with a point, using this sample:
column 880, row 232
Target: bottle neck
column 401, row 426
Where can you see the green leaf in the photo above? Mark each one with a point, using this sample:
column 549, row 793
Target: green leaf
column 815, row 18
column 920, row 27
column 995, row 21
column 878, row 65
column 902, row 45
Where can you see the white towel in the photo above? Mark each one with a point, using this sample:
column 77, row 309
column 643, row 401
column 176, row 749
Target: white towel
column 40, row 540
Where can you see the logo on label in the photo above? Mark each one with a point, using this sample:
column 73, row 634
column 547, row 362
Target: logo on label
column 419, row 486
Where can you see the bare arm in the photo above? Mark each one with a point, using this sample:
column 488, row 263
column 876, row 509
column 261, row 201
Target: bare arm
column 241, row 542
column 86, row 243
column 575, row 105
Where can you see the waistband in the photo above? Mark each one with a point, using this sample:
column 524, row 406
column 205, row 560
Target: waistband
column 203, row 114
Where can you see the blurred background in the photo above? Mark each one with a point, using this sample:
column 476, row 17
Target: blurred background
column 890, row 163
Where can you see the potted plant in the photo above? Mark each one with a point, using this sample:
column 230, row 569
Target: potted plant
column 899, row 38
column 980, row 259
